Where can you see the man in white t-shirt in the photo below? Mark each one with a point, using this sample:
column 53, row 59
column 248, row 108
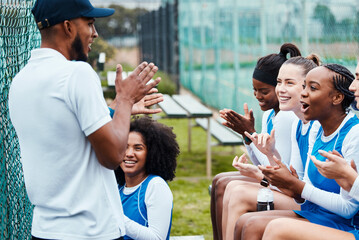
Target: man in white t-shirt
column 69, row 143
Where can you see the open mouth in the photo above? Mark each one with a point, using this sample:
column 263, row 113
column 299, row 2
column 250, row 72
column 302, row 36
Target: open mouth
column 305, row 106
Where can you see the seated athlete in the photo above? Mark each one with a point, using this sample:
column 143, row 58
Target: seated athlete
column 149, row 162
column 242, row 198
column 335, row 167
column 326, row 98
column 264, row 81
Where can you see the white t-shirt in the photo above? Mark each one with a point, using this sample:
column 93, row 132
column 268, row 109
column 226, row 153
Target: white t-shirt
column 282, row 123
column 159, row 201
column 342, row 204
column 54, row 105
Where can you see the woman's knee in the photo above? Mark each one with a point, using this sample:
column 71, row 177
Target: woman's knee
column 252, row 226
column 221, row 186
column 239, row 225
column 216, row 178
column 244, row 196
column 222, row 175
column 274, row 229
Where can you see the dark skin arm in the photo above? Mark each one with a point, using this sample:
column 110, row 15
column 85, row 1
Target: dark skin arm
column 110, row 141
column 237, row 122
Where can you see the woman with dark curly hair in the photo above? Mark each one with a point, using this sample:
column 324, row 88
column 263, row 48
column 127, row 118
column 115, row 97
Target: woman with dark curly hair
column 150, row 160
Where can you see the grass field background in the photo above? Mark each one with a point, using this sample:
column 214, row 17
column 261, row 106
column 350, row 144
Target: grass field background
column 191, row 207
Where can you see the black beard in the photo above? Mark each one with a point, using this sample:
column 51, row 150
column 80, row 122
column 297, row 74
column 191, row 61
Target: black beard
column 77, row 50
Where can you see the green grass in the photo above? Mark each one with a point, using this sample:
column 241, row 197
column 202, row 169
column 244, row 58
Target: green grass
column 191, row 207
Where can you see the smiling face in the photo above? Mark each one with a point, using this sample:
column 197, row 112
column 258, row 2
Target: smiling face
column 86, row 33
column 289, row 85
column 134, row 162
column 265, row 95
column 317, row 95
column 354, row 86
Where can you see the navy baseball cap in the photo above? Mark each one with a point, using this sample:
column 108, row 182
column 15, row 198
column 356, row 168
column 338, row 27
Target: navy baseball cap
column 48, row 13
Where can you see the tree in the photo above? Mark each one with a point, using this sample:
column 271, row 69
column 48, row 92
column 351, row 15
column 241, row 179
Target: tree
column 99, row 46
column 123, row 22
column 356, row 27
column 326, row 17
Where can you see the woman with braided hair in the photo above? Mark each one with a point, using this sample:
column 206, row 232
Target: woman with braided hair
column 326, row 98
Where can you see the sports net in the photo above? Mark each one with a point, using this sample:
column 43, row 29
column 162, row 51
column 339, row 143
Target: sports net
column 18, row 35
column 221, row 40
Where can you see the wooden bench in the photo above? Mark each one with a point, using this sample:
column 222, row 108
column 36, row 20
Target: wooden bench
column 171, row 108
column 186, row 106
column 222, row 134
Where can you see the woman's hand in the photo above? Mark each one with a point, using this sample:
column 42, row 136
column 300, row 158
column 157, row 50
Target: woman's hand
column 237, row 122
column 266, row 144
column 247, row 169
column 143, row 106
column 336, row 167
column 283, row 179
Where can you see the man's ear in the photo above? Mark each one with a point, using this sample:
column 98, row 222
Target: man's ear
column 69, row 28
column 337, row 98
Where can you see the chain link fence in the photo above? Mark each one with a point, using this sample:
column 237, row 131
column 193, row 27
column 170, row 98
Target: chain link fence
column 221, row 40
column 18, row 35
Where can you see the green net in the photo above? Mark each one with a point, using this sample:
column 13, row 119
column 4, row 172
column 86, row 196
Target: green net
column 221, row 40
column 18, row 35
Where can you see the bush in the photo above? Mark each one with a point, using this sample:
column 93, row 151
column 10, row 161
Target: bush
column 166, row 86
column 99, row 46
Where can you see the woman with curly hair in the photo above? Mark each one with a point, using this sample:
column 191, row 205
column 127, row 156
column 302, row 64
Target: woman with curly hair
column 149, row 162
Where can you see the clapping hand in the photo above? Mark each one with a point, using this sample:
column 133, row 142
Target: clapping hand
column 280, row 176
column 336, row 167
column 266, row 144
column 245, row 168
column 152, row 98
column 237, row 122
column 137, row 85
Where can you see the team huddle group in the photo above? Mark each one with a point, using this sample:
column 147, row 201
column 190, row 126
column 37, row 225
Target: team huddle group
column 308, row 151
column 71, row 142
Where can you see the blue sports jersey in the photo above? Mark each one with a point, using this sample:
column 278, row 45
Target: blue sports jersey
column 270, row 121
column 336, row 142
column 134, row 206
column 313, row 212
column 303, row 141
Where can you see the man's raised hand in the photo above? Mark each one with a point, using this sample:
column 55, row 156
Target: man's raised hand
column 137, row 85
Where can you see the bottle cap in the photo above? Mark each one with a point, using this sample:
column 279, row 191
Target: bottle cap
column 265, row 195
